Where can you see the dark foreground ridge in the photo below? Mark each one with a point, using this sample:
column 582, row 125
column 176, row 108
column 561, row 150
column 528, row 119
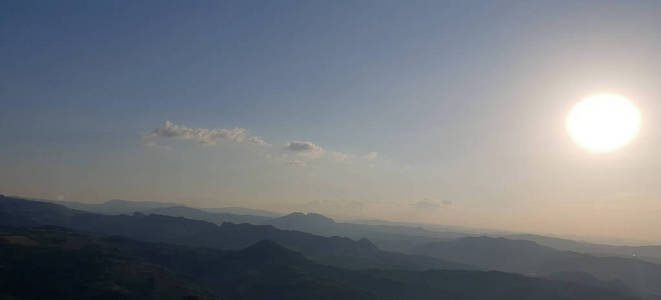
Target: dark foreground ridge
column 58, row 263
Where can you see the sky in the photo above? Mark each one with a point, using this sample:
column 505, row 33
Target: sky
column 442, row 112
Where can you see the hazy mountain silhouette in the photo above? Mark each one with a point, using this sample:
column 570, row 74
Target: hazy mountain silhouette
column 118, row 207
column 61, row 264
column 390, row 237
column 115, row 206
column 523, row 257
column 649, row 253
column 337, row 251
column 197, row 214
column 310, row 223
column 589, row 280
column 527, row 257
column 243, row 211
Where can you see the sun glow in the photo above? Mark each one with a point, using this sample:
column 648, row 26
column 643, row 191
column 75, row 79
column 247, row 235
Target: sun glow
column 603, row 122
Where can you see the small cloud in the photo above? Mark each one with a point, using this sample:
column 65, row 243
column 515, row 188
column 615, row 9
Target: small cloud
column 296, row 163
column 426, row 204
column 256, row 140
column 203, row 136
column 372, row 155
column 304, row 148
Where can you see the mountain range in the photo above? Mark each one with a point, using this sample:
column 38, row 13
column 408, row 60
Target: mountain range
column 530, row 258
column 337, row 251
column 648, row 253
column 57, row 263
column 343, row 245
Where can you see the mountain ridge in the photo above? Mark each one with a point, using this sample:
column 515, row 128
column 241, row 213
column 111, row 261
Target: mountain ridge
column 264, row 270
column 338, row 251
column 530, row 258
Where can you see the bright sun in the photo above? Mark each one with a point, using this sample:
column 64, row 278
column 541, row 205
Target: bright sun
column 603, row 122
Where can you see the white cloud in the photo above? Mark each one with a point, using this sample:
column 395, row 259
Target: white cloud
column 256, row 140
column 426, row 204
column 296, row 153
column 204, row 136
column 304, row 148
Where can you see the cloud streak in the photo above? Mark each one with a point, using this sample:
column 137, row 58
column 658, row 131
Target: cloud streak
column 204, row 136
column 430, row 205
column 304, row 148
column 295, row 153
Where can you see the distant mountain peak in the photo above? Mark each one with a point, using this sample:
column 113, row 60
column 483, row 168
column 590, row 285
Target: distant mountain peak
column 117, row 201
column 139, row 203
column 309, row 217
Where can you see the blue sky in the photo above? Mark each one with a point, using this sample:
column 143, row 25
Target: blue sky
column 463, row 101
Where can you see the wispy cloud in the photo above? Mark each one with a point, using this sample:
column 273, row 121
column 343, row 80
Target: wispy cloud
column 304, row 148
column 256, row 140
column 427, row 204
column 204, row 136
column 295, row 153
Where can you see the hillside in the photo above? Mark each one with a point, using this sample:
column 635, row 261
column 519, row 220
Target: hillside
column 391, row 237
column 651, row 253
column 197, row 214
column 336, row 251
column 530, row 258
column 265, row 270
column 59, row 264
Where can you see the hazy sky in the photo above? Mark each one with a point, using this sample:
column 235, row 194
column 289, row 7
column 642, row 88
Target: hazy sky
column 448, row 112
